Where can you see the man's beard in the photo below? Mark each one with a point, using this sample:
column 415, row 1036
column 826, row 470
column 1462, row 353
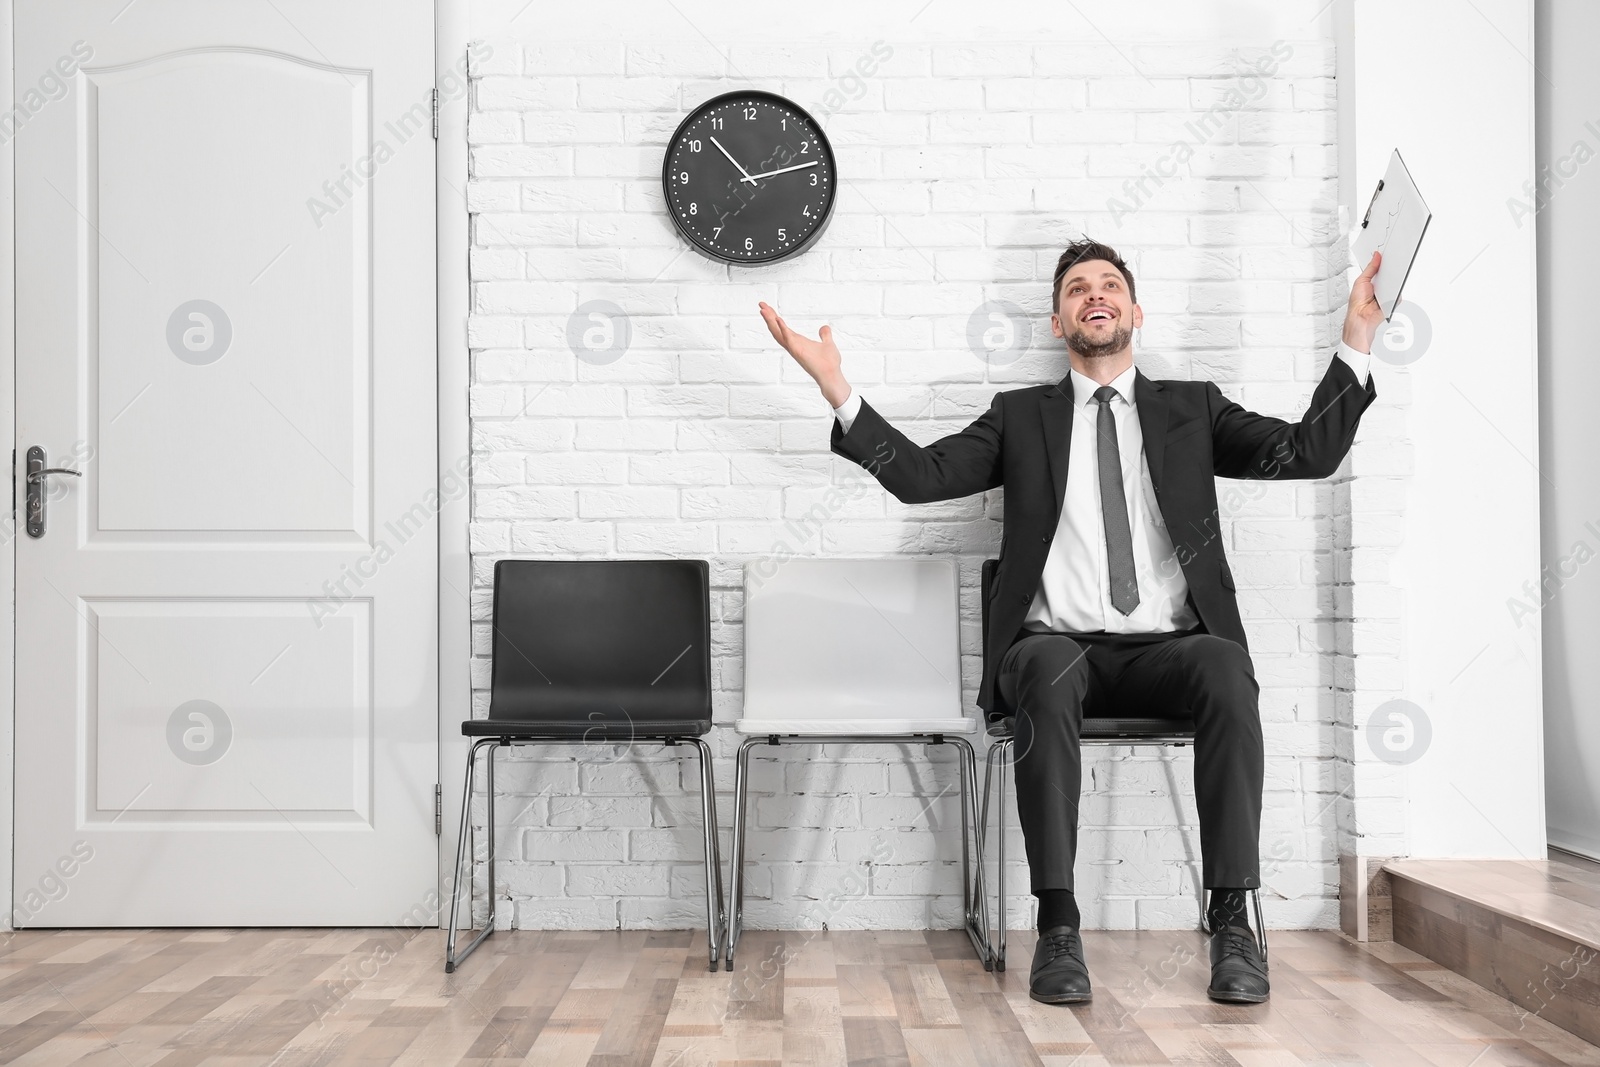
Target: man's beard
column 1078, row 340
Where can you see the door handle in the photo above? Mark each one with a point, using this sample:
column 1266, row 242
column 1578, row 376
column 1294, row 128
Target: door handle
column 38, row 488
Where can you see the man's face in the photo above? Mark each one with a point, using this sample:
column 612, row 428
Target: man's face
column 1096, row 315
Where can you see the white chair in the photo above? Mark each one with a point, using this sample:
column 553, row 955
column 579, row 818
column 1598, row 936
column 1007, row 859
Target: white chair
column 860, row 651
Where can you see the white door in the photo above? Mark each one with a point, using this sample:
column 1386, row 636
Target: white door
column 226, row 670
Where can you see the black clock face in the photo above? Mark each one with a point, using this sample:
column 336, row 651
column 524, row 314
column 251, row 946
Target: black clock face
column 749, row 177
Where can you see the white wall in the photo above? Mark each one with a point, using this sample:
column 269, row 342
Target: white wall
column 1569, row 271
column 966, row 168
column 1403, row 594
column 1455, row 95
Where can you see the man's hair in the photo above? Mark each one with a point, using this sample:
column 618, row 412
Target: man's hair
column 1076, row 253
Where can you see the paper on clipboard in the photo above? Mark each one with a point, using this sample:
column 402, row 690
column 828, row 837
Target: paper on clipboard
column 1394, row 224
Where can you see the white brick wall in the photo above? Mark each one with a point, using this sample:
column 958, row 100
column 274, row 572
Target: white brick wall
column 964, row 171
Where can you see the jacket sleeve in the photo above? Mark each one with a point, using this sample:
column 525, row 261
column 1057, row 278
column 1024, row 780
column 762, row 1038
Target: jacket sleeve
column 954, row 466
column 1247, row 445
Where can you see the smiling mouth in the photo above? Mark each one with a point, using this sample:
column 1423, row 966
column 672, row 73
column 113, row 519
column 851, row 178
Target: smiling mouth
column 1099, row 315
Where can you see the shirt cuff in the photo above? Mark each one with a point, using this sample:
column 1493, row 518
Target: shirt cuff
column 1360, row 362
column 846, row 413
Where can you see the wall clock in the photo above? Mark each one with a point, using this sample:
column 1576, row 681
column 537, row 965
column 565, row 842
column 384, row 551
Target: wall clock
column 749, row 177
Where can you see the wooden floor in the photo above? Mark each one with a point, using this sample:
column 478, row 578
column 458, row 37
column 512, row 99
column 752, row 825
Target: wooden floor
column 255, row 997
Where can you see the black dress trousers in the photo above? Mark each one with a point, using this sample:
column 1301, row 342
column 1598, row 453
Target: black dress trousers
column 1050, row 681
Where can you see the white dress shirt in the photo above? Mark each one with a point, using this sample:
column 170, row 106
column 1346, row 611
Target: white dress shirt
column 1074, row 594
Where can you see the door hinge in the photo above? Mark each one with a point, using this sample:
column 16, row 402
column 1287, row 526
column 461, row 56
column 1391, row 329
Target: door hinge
column 438, row 811
column 435, row 114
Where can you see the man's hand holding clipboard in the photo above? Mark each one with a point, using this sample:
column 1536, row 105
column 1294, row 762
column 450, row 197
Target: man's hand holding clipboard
column 1365, row 313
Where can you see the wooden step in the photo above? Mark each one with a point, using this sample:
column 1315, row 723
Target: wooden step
column 1528, row 930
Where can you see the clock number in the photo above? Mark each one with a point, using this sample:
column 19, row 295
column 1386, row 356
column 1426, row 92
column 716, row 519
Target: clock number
column 683, row 178
column 715, row 232
column 783, row 234
column 694, row 146
column 783, row 123
column 747, row 244
column 806, row 211
column 749, row 113
column 813, row 177
column 694, row 208
column 716, row 123
column 805, row 146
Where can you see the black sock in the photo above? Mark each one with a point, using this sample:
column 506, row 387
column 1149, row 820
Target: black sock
column 1057, row 907
column 1227, row 908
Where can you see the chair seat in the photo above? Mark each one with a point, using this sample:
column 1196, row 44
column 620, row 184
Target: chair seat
column 586, row 729
column 863, row 727
column 1096, row 728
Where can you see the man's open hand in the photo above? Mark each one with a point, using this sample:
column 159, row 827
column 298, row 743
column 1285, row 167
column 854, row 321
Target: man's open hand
column 818, row 358
column 1365, row 314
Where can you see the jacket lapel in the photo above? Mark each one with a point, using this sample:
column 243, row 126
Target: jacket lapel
column 1153, row 401
column 1057, row 409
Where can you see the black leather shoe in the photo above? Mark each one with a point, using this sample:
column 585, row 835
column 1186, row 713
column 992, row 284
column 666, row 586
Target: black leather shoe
column 1059, row 976
column 1238, row 973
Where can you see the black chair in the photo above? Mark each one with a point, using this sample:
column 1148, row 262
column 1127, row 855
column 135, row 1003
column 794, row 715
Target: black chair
column 1097, row 730
column 597, row 652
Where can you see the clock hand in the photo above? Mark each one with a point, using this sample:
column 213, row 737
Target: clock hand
column 780, row 170
column 735, row 162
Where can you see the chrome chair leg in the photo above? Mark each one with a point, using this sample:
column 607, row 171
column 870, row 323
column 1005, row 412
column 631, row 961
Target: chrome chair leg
column 715, row 909
column 980, row 885
column 451, row 959
column 994, row 782
column 975, row 904
column 741, row 786
column 1261, row 923
column 966, row 832
column 983, row 840
column 973, row 897
column 715, row 913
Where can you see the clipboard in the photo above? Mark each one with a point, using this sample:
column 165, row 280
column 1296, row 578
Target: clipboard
column 1395, row 221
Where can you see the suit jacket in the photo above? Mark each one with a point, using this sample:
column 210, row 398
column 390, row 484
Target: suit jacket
column 1192, row 436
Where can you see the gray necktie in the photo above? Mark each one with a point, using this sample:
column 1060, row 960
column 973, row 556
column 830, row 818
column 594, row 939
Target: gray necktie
column 1114, row 508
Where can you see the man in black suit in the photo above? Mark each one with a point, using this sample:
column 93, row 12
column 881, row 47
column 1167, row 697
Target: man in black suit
column 1112, row 589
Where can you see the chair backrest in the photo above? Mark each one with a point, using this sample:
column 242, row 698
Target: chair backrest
column 608, row 640
column 1096, row 728
column 855, row 646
